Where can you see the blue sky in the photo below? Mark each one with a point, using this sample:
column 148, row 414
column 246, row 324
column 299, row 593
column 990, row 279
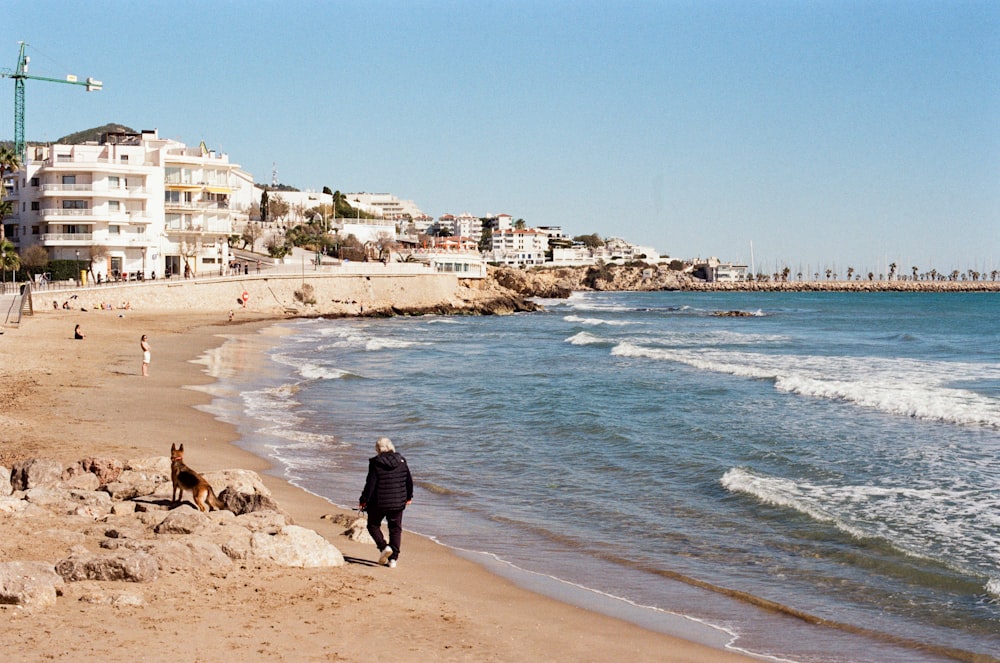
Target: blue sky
column 824, row 134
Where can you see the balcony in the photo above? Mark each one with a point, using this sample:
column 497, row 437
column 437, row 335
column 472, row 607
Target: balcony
column 96, row 189
column 71, row 239
column 197, row 206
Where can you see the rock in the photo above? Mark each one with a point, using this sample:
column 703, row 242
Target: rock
column 82, row 481
column 29, row 584
column 105, row 469
column 357, row 530
column 240, row 481
column 295, row 546
column 241, row 503
column 130, row 489
column 193, row 552
column 116, row 597
column 150, row 468
column 263, row 521
column 121, row 566
column 35, row 472
column 5, row 487
column 182, row 520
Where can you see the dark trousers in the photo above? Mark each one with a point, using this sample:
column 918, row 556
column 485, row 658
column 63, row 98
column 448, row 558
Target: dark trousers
column 395, row 521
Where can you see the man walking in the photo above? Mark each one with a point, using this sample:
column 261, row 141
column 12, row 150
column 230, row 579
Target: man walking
column 388, row 489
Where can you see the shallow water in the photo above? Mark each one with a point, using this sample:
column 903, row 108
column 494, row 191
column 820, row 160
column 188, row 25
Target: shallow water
column 833, row 456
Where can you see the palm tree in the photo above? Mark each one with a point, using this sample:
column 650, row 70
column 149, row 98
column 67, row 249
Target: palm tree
column 9, row 260
column 850, row 271
column 9, row 162
column 915, row 270
column 892, row 270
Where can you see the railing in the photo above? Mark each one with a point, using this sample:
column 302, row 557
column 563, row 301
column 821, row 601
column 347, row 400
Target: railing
column 68, row 237
column 203, row 205
column 77, row 158
column 59, row 211
column 92, row 188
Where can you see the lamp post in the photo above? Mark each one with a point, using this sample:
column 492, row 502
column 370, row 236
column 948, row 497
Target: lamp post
column 79, row 282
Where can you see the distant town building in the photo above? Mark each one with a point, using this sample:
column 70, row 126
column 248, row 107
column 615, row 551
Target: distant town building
column 519, row 248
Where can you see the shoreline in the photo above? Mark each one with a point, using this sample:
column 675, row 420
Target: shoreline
column 73, row 399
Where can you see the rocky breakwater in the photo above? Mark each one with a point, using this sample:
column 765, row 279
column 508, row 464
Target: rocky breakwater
column 112, row 523
column 847, row 286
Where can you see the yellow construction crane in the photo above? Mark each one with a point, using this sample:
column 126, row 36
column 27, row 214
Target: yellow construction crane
column 20, row 74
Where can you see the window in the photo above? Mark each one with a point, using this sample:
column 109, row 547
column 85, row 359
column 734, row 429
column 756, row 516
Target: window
column 74, row 204
column 114, row 182
column 124, row 158
column 114, row 205
column 34, row 205
column 34, row 181
column 114, row 230
column 69, row 179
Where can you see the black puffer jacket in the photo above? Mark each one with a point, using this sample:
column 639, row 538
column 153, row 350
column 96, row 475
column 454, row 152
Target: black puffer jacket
column 389, row 485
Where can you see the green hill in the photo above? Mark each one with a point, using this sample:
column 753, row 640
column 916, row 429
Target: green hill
column 92, row 134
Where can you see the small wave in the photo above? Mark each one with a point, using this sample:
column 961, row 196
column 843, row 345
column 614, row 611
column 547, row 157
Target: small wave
column 317, row 372
column 881, row 386
column 597, row 321
column 376, row 344
column 583, row 338
column 783, row 493
column 954, row 406
column 438, row 489
column 993, row 587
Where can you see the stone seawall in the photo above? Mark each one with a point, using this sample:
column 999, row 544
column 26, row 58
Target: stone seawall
column 280, row 294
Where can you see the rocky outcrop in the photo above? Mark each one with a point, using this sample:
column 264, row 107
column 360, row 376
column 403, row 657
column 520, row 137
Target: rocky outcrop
column 559, row 282
column 124, row 528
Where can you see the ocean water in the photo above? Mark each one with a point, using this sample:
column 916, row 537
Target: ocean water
column 817, row 481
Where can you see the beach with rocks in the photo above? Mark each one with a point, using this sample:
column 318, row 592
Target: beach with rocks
column 97, row 562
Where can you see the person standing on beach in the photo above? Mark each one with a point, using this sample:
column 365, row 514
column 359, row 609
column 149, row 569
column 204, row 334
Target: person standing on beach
column 144, row 344
column 388, row 490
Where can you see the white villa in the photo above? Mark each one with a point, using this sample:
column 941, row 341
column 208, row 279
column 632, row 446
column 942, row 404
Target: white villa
column 132, row 205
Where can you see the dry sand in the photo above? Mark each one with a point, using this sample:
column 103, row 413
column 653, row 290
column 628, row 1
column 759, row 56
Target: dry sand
column 67, row 400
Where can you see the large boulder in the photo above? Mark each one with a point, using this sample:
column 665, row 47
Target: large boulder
column 35, row 472
column 29, row 584
column 124, row 566
column 183, row 520
column 295, row 546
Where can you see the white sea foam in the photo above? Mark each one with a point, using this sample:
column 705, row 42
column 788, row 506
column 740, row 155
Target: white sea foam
column 957, row 528
column 312, row 371
column 376, row 344
column 585, row 338
column 993, row 587
column 597, row 321
column 902, row 387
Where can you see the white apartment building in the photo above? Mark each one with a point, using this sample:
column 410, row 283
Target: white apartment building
column 467, row 225
column 384, row 205
column 132, row 205
column 519, row 248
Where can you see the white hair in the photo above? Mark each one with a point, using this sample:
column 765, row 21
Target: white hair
column 383, row 445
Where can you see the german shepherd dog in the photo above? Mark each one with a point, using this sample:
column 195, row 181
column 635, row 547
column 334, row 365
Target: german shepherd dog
column 184, row 478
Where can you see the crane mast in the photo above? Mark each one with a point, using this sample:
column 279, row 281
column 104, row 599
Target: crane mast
column 20, row 74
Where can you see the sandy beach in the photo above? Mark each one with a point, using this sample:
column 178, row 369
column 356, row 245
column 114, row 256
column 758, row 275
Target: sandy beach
column 68, row 399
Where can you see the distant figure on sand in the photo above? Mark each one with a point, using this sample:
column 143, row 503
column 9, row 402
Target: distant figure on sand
column 144, row 344
column 388, row 490
column 78, row 334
